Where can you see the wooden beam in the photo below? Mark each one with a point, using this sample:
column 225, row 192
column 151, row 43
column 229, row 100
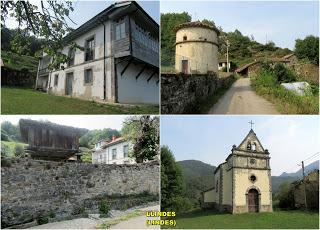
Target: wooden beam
column 125, row 68
column 143, row 68
column 153, row 73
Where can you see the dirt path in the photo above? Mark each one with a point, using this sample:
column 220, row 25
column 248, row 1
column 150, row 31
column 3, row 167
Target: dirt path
column 87, row 223
column 241, row 99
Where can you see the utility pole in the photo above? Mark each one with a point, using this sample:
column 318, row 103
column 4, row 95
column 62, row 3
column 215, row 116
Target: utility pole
column 227, row 42
column 304, row 183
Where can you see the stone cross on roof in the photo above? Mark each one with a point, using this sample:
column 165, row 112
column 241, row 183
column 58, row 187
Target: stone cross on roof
column 251, row 123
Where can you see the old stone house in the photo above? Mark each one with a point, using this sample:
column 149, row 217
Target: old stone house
column 119, row 63
column 196, row 48
column 50, row 141
column 115, row 151
column 243, row 182
column 312, row 191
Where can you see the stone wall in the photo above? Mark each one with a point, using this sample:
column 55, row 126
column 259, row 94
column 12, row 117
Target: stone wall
column 183, row 93
column 33, row 189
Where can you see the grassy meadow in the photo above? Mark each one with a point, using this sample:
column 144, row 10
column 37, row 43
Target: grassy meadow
column 275, row 220
column 28, row 101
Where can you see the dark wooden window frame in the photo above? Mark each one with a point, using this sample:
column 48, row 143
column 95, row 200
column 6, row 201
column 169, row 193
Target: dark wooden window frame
column 86, row 44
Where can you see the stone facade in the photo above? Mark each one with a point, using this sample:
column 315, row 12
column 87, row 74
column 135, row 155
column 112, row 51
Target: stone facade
column 243, row 182
column 31, row 189
column 182, row 93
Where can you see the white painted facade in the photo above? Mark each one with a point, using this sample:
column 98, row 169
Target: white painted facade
column 112, row 80
column 196, row 49
column 224, row 65
column 115, row 152
column 243, row 182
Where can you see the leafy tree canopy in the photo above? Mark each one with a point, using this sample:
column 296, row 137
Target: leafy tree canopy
column 48, row 21
column 93, row 136
column 308, row 48
column 10, row 132
column 143, row 133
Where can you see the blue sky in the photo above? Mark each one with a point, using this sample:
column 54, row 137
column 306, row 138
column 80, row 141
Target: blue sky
column 281, row 21
column 85, row 10
column 289, row 139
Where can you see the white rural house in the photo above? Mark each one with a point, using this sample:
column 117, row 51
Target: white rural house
column 119, row 63
column 115, row 151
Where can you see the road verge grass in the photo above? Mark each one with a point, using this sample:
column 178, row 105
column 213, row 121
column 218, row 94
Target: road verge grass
column 287, row 102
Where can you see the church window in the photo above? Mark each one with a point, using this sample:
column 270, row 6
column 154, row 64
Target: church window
column 185, row 38
column 253, row 178
column 248, row 146
column 254, row 146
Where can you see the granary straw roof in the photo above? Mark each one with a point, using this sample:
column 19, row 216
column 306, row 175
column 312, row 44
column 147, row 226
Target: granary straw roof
column 196, row 24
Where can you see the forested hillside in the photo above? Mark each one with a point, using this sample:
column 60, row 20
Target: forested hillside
column 242, row 49
column 198, row 177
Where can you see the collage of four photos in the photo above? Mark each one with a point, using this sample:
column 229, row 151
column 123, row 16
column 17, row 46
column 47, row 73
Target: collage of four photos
column 160, row 114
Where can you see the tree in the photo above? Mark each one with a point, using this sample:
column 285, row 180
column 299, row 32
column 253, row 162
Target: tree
column 92, row 137
column 208, row 22
column 308, row 48
column 11, row 131
column 143, row 132
column 5, row 151
column 168, row 36
column 172, row 184
column 48, row 21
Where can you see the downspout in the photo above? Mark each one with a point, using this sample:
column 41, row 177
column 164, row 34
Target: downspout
column 104, row 61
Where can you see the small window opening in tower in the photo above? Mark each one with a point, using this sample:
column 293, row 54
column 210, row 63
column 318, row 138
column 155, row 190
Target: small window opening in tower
column 185, row 38
column 248, row 146
column 254, row 147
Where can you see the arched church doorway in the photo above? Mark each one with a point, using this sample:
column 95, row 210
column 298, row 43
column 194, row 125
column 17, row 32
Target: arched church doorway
column 253, row 200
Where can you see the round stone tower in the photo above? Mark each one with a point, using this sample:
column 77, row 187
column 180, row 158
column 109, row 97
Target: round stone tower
column 196, row 48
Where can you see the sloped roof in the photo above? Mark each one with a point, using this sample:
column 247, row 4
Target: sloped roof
column 196, row 24
column 253, row 136
column 287, row 56
column 128, row 6
column 246, row 66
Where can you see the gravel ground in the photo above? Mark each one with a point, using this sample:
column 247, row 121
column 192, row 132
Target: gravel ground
column 241, row 99
column 90, row 223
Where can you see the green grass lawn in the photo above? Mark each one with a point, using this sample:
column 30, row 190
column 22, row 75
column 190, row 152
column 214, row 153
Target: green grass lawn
column 274, row 220
column 28, row 101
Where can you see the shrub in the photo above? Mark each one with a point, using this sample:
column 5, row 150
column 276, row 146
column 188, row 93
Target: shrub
column 5, row 151
column 19, row 150
column 104, row 207
column 283, row 74
column 43, row 220
column 181, row 204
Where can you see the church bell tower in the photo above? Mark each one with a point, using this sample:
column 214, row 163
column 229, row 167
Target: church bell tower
column 251, row 173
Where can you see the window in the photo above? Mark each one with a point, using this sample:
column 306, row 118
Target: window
column 114, row 154
column 56, row 77
column 254, row 146
column 71, row 54
column 120, row 31
column 253, row 178
column 248, row 146
column 88, row 76
column 125, row 151
column 185, row 38
column 89, row 49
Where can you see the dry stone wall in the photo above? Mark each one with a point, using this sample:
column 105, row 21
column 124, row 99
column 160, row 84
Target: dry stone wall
column 183, row 93
column 33, row 189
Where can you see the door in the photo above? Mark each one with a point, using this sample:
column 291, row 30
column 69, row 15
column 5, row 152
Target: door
column 185, row 66
column 69, row 82
column 253, row 200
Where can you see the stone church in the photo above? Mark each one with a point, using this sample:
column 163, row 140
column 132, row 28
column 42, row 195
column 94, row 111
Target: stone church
column 243, row 182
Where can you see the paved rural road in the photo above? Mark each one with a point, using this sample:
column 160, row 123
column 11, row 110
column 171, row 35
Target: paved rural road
column 241, row 99
column 86, row 223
